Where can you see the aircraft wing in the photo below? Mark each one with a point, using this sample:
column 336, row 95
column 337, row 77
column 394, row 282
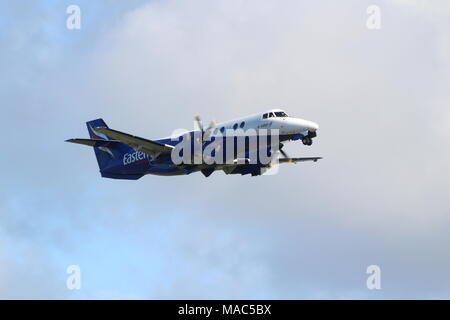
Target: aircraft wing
column 294, row 160
column 243, row 161
column 152, row 148
column 243, row 167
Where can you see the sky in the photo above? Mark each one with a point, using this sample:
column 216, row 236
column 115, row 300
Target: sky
column 379, row 197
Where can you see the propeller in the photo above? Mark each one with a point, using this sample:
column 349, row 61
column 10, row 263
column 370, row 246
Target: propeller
column 283, row 152
column 206, row 133
column 199, row 122
column 285, row 155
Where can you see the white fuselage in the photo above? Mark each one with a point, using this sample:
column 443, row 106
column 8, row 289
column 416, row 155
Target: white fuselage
column 272, row 119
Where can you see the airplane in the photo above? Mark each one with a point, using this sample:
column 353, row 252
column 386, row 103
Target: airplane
column 124, row 156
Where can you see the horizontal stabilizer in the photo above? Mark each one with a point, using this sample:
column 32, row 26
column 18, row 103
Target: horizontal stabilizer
column 93, row 142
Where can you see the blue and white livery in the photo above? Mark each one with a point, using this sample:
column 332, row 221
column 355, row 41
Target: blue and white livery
column 124, row 156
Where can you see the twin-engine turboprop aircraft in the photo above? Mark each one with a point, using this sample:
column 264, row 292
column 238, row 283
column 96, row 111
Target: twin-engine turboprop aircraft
column 124, row 156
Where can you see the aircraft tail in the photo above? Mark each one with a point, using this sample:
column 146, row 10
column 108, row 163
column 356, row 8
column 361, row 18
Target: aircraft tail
column 109, row 153
column 104, row 153
column 95, row 134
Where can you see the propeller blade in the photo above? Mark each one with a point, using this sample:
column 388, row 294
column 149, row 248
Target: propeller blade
column 282, row 152
column 199, row 123
column 209, row 130
column 206, row 133
column 212, row 124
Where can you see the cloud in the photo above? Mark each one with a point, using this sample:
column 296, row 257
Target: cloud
column 435, row 8
column 378, row 197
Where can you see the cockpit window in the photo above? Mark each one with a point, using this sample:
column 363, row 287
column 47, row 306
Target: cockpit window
column 280, row 114
column 265, row 116
column 271, row 115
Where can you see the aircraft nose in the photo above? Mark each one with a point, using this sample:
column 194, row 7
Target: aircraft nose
column 313, row 126
column 293, row 126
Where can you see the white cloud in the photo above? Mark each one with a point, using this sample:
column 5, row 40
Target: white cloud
column 379, row 196
column 435, row 7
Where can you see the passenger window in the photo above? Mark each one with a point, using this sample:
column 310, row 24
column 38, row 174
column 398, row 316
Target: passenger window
column 235, row 126
column 222, row 129
column 242, row 124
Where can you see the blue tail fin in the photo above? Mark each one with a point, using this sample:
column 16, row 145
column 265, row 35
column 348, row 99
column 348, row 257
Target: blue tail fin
column 94, row 124
column 109, row 155
column 104, row 154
